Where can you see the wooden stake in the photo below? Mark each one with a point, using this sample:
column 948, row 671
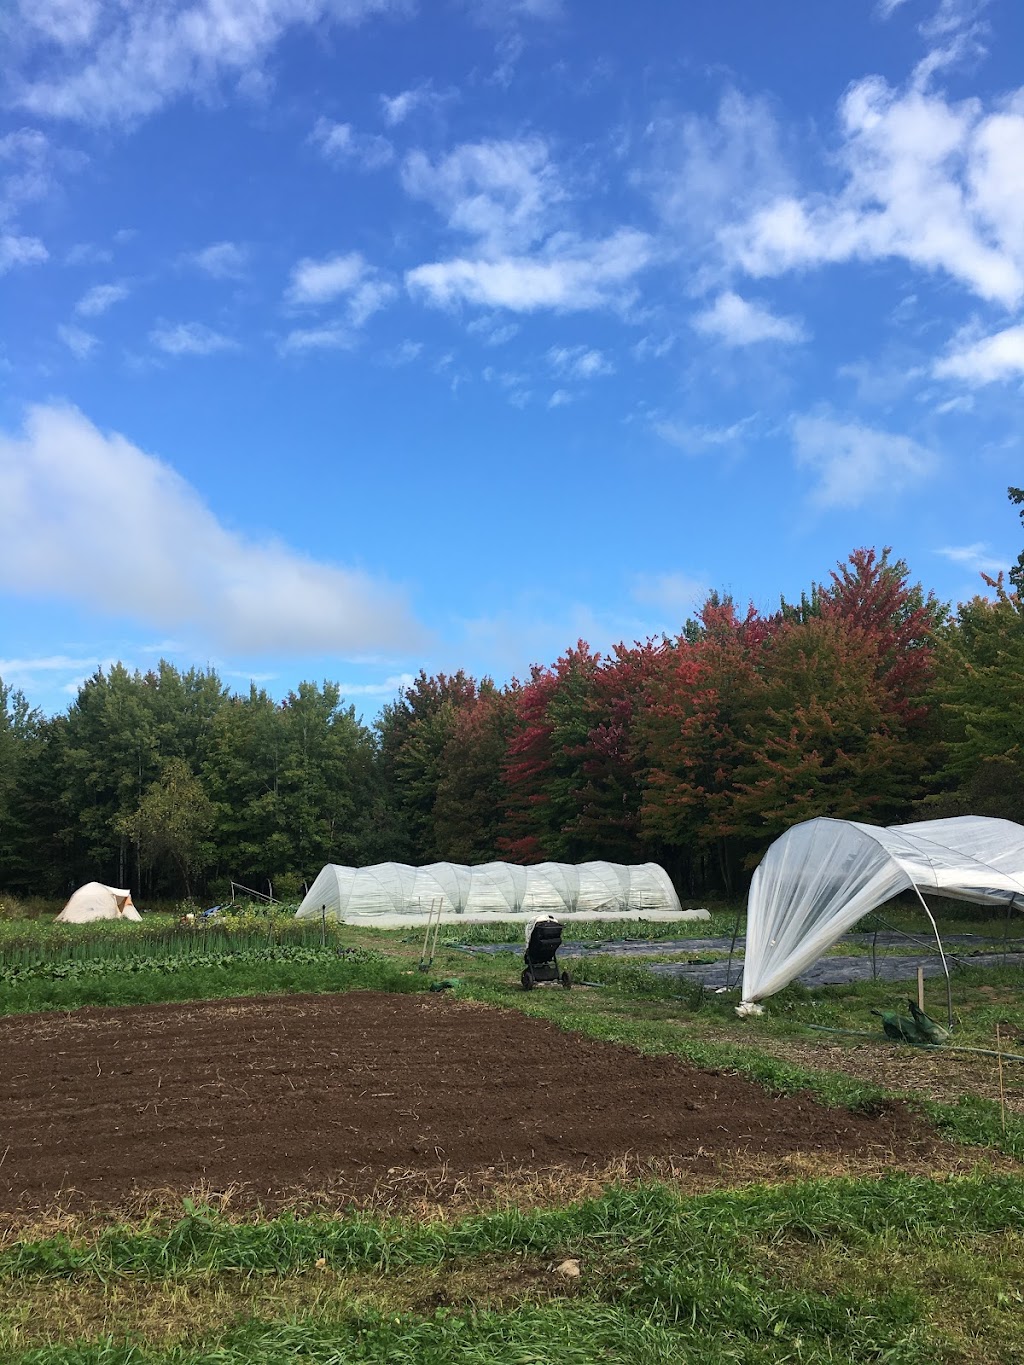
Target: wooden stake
column 920, row 988
column 1002, row 1092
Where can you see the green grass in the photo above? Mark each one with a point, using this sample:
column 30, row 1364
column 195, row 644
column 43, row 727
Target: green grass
column 795, row 1273
column 722, row 922
column 260, row 972
column 899, row 1271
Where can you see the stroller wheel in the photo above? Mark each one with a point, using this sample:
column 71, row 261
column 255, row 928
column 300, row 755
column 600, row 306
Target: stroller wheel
column 566, row 981
column 527, row 980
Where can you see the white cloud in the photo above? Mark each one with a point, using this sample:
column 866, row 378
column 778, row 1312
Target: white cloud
column 569, row 275
column 80, row 343
column 886, row 8
column 69, row 23
column 317, row 282
column 736, row 322
column 653, row 348
column 390, row 687
column 131, row 59
column 328, row 338
column 395, row 109
column 221, row 260
column 676, row 593
column 976, row 557
column 506, row 195
column 99, row 298
column 403, row 354
column 492, row 330
column 86, row 253
column 560, row 398
column 579, row 362
column 953, row 16
column 172, row 565
column 26, row 170
column 50, row 663
column 513, row 384
column 935, row 183
column 962, row 402
column 339, row 143
column 16, row 250
column 510, row 200
column 704, row 171
column 855, row 464
column 697, row 439
column 190, row 338
column 368, row 298
column 988, row 360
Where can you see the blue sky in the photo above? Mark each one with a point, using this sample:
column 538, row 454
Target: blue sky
column 345, row 337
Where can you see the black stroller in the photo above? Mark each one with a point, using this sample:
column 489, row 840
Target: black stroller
column 543, row 940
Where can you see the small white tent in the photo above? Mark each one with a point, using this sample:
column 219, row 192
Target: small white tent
column 96, row 901
column 392, row 894
column 822, row 876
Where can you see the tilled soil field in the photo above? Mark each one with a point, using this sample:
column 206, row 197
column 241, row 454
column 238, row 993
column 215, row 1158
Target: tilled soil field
column 274, row 1097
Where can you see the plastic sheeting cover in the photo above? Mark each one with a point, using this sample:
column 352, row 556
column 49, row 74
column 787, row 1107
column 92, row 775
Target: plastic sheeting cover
column 821, row 877
column 491, row 889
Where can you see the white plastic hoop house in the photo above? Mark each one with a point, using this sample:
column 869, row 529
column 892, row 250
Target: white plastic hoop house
column 393, row 893
column 821, row 877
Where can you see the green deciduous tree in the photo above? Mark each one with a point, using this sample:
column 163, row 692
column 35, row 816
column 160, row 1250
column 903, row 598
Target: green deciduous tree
column 172, row 823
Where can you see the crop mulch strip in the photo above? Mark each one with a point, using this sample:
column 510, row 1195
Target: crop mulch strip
column 270, row 1097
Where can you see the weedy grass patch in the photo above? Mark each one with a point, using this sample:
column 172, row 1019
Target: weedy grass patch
column 842, row 1270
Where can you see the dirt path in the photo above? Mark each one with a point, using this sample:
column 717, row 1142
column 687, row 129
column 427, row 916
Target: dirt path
column 310, row 1092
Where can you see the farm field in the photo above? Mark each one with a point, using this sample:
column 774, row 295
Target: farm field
column 259, row 1143
column 281, row 1098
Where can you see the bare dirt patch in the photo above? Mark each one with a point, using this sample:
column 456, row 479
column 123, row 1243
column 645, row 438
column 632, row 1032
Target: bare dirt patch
column 273, row 1097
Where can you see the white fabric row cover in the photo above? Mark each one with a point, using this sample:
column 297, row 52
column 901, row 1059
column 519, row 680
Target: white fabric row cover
column 492, row 890
column 95, row 901
column 821, row 877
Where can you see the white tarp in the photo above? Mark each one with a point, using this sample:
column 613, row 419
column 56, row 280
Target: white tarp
column 96, row 901
column 821, row 877
column 392, row 893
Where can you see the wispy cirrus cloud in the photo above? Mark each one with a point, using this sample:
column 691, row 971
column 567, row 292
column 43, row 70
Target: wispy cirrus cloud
column 986, row 360
column 396, row 109
column 510, row 201
column 219, row 260
column 340, row 144
column 579, row 362
column 698, row 438
column 99, row 298
column 188, row 573
column 349, row 277
column 977, row 557
column 101, row 61
column 79, row 342
column 15, row 251
column 332, row 337
column 387, row 687
column 190, row 338
column 570, row 276
column 504, row 194
column 854, row 464
column 735, row 321
column 676, row 593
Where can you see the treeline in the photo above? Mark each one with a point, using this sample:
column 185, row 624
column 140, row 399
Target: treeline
column 868, row 699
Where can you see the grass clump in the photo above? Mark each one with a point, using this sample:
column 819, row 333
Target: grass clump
column 897, row 1269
